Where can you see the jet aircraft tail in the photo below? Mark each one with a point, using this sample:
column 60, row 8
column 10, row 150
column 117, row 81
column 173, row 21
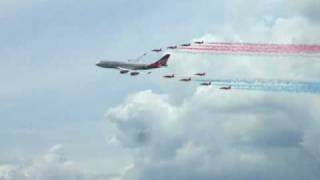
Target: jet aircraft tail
column 162, row 62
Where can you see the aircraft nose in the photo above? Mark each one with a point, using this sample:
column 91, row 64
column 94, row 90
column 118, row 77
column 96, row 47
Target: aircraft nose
column 98, row 63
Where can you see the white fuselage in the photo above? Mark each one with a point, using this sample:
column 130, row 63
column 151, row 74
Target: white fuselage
column 122, row 65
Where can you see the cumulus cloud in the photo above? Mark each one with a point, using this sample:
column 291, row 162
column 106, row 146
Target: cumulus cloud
column 219, row 135
column 296, row 30
column 52, row 165
column 144, row 130
column 277, row 21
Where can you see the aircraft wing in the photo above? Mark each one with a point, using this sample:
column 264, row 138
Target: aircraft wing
column 123, row 69
column 132, row 72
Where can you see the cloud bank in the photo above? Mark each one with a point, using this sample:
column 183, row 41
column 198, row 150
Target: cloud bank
column 219, row 135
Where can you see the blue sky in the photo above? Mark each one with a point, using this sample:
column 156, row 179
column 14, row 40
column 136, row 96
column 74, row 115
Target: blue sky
column 53, row 94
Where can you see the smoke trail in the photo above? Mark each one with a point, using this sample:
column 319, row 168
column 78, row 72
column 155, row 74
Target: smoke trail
column 238, row 50
column 267, row 47
column 304, row 55
column 268, row 85
column 254, row 48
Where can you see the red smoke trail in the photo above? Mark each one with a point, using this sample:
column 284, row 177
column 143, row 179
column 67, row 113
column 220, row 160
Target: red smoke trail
column 254, row 48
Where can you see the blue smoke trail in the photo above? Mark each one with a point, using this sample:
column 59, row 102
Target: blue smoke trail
column 268, row 85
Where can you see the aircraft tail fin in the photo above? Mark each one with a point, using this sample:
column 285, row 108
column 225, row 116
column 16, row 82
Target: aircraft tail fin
column 162, row 62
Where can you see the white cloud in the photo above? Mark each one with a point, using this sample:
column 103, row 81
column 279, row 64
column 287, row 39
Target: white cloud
column 6, row 171
column 279, row 30
column 295, row 30
column 308, row 8
column 52, row 165
column 219, row 135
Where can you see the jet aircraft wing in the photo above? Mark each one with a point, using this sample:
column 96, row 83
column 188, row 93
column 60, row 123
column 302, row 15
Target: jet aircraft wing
column 123, row 69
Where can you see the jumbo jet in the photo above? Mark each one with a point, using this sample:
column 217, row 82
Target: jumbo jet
column 127, row 67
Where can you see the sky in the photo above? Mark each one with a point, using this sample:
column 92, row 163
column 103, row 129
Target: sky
column 64, row 118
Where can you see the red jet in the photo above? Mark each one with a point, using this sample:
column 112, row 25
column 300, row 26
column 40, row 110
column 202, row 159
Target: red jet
column 157, row 50
column 169, row 76
column 186, row 45
column 186, row 79
column 199, row 42
column 206, row 84
column 226, row 88
column 200, row 74
column 172, row 47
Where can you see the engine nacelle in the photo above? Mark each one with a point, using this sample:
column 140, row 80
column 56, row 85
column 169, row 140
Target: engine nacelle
column 124, row 71
column 134, row 73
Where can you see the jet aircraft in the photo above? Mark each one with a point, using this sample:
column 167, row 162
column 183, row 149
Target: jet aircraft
column 206, row 83
column 157, row 50
column 169, row 76
column 186, row 79
column 199, row 42
column 186, row 45
column 172, row 47
column 226, row 88
column 127, row 67
column 200, row 74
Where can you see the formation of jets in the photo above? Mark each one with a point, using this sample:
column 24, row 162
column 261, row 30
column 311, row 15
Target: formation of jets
column 175, row 46
column 134, row 68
